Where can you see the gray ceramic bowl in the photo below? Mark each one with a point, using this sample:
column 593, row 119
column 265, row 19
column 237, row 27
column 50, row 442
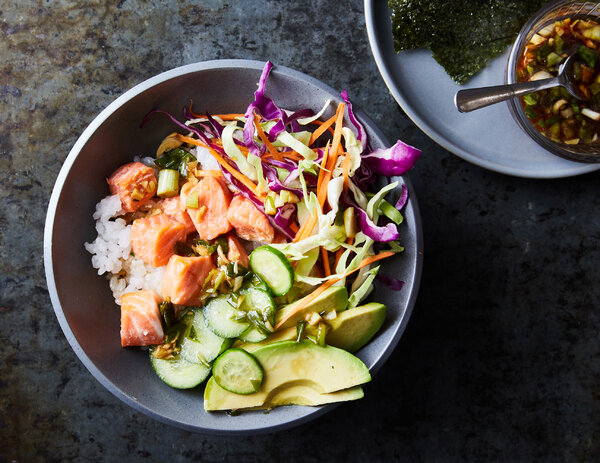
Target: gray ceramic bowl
column 82, row 299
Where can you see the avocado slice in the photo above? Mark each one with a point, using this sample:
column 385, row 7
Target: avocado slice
column 284, row 334
column 350, row 330
column 353, row 328
column 323, row 369
column 303, row 394
column 333, row 298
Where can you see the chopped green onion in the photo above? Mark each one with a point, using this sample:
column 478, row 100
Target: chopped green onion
column 168, row 183
column 321, row 334
column 553, row 59
column 191, row 202
column 270, row 208
column 288, row 197
column 176, row 159
column 531, row 99
column 588, row 55
column 558, row 44
column 543, row 51
column 167, row 313
column 530, row 112
column 300, row 330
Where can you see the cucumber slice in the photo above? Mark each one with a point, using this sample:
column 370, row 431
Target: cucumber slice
column 237, row 371
column 260, row 307
column 178, row 372
column 259, row 301
column 253, row 281
column 202, row 345
column 253, row 334
column 273, row 268
column 219, row 315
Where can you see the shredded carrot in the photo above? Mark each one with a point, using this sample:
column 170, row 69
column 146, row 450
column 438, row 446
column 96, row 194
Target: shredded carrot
column 227, row 117
column 322, row 169
column 337, row 137
column 294, row 227
column 346, row 166
column 335, row 145
column 306, row 230
column 192, row 112
column 323, row 127
column 261, row 134
column 291, row 155
column 207, row 173
column 328, row 283
column 325, row 259
column 191, row 141
column 245, row 151
column 237, row 174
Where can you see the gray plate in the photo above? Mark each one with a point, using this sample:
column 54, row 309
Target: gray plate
column 488, row 137
column 82, row 299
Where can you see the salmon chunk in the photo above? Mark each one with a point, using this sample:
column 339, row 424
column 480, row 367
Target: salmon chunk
column 249, row 223
column 135, row 183
column 210, row 217
column 183, row 278
column 140, row 319
column 236, row 252
column 153, row 238
column 174, row 209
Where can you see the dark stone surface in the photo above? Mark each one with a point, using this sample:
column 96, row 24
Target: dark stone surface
column 501, row 360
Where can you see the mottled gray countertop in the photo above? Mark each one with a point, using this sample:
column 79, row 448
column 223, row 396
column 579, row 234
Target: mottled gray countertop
column 501, row 359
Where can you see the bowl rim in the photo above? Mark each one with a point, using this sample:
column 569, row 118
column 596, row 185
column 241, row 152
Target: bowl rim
column 49, row 232
column 562, row 150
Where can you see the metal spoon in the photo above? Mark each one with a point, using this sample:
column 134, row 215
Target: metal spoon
column 475, row 98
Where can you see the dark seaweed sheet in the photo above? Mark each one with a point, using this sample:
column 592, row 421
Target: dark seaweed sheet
column 462, row 34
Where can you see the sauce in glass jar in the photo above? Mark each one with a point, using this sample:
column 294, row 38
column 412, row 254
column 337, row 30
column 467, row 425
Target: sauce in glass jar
column 554, row 112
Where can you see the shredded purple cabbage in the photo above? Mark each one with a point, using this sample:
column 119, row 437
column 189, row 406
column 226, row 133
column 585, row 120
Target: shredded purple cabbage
column 393, row 283
column 283, row 217
column 384, row 233
column 275, row 184
column 396, row 160
column 216, row 127
column 361, row 132
column 266, row 108
column 402, row 200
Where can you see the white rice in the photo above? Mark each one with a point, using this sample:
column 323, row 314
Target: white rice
column 206, row 160
column 111, row 252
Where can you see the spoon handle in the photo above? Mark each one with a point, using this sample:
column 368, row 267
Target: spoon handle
column 475, row 98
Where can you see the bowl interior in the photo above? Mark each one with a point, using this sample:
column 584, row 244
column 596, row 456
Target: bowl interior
column 554, row 11
column 82, row 299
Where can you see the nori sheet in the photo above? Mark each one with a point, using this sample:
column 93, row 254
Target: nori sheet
column 462, row 34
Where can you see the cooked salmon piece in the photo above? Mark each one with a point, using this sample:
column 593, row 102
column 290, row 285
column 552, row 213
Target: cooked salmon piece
column 279, row 238
column 236, row 252
column 249, row 223
column 174, row 209
column 140, row 319
column 210, row 217
column 184, row 277
column 135, row 183
column 153, row 238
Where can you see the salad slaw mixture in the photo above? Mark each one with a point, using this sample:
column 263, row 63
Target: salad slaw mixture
column 299, row 197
